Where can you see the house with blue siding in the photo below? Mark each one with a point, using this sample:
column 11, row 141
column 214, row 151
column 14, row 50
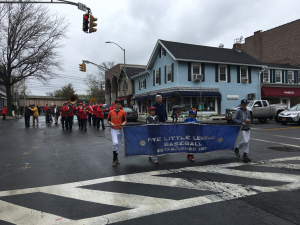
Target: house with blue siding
column 211, row 79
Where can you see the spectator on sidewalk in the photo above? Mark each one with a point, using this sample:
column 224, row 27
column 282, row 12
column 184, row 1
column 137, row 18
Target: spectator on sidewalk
column 35, row 115
column 4, row 111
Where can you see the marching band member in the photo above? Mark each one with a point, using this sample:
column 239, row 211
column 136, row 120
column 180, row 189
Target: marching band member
column 100, row 116
column 90, row 115
column 94, row 115
column 116, row 117
column 191, row 119
column 69, row 115
column 152, row 118
column 63, row 118
column 83, row 117
column 112, row 107
column 78, row 115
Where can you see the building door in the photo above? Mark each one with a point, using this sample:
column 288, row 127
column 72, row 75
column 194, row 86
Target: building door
column 286, row 101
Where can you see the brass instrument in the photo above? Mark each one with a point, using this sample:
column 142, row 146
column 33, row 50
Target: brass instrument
column 73, row 99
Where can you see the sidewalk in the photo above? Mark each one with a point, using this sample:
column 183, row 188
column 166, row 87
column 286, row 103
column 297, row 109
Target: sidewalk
column 10, row 118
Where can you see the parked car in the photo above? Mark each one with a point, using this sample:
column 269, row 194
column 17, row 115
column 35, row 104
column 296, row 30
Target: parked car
column 260, row 109
column 130, row 114
column 290, row 116
column 106, row 106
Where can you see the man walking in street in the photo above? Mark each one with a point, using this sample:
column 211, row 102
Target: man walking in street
column 27, row 116
column 160, row 109
column 4, row 111
column 55, row 113
column 35, row 115
column 242, row 116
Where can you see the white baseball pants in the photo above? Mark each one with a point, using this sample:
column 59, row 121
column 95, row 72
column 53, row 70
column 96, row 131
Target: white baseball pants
column 116, row 135
column 245, row 134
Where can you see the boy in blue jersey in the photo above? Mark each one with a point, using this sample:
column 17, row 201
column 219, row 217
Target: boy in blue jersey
column 191, row 119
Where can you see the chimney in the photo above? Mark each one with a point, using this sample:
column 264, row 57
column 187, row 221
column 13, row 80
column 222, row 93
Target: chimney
column 237, row 47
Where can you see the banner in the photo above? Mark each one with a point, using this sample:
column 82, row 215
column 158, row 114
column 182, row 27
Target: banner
column 151, row 139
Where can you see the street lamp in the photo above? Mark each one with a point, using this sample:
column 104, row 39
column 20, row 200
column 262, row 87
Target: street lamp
column 108, row 42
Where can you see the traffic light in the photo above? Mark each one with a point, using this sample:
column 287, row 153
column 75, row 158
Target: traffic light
column 85, row 24
column 82, row 67
column 92, row 24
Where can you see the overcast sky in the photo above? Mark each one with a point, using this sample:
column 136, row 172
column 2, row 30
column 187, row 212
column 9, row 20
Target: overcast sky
column 136, row 25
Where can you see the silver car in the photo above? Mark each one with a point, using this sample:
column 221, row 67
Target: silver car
column 290, row 116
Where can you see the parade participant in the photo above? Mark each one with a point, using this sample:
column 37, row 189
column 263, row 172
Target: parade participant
column 160, row 109
column 78, row 115
column 35, row 115
column 4, row 111
column 116, row 117
column 55, row 113
column 94, row 115
column 27, row 116
column 48, row 115
column 83, row 117
column 191, row 119
column 63, row 118
column 153, row 119
column 45, row 109
column 112, row 107
column 242, row 116
column 100, row 116
column 69, row 111
column 90, row 115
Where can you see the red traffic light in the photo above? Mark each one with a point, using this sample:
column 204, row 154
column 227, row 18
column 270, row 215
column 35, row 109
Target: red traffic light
column 86, row 17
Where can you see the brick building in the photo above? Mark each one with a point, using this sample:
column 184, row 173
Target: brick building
column 277, row 45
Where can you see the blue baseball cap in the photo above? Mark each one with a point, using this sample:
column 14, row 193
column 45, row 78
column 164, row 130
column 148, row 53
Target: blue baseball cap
column 192, row 112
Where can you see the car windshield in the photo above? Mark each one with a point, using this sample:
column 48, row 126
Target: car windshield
column 128, row 109
column 250, row 104
column 295, row 108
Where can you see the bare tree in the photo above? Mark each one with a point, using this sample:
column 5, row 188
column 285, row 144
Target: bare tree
column 96, row 83
column 22, row 88
column 30, row 37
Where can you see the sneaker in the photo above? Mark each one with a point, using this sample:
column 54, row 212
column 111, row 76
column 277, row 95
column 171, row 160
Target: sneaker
column 155, row 161
column 117, row 162
column 237, row 152
column 188, row 156
column 114, row 163
column 246, row 158
column 191, row 157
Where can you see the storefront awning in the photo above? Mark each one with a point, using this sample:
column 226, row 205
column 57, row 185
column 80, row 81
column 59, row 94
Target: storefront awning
column 280, row 92
column 128, row 98
column 139, row 98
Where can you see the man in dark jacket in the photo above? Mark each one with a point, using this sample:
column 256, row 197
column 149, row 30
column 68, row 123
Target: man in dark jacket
column 242, row 116
column 161, row 111
column 27, row 116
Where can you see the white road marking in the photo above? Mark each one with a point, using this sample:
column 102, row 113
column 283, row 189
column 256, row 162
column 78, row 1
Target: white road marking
column 296, row 146
column 279, row 136
column 138, row 205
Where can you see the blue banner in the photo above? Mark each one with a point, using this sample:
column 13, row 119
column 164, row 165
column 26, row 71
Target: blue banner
column 151, row 140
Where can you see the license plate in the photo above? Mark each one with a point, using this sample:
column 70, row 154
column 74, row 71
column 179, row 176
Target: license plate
column 283, row 118
column 131, row 114
column 229, row 118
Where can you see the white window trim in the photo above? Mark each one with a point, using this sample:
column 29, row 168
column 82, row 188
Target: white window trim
column 167, row 72
column 244, row 67
column 293, row 76
column 280, row 75
column 142, row 86
column 156, row 71
column 195, row 64
column 268, row 75
column 226, row 74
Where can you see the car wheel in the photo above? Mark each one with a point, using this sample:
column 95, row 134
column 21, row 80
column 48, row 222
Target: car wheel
column 262, row 120
column 284, row 123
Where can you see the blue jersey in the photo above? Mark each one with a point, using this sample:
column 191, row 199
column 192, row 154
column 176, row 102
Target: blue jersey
column 189, row 120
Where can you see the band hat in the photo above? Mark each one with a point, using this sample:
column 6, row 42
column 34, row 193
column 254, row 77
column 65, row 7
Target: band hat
column 90, row 101
column 83, row 105
column 192, row 112
column 112, row 103
column 244, row 101
column 67, row 102
column 101, row 104
column 152, row 108
column 80, row 103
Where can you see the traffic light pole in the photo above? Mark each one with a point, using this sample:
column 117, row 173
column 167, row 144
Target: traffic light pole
column 100, row 67
column 45, row 2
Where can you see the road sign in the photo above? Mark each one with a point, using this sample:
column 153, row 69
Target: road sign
column 81, row 6
column 93, row 99
column 125, row 102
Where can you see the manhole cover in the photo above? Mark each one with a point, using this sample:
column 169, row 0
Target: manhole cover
column 285, row 149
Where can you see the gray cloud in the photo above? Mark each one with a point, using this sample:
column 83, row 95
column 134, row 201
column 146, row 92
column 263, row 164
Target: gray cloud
column 136, row 25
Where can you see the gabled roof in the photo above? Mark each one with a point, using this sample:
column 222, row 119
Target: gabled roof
column 282, row 66
column 130, row 71
column 200, row 53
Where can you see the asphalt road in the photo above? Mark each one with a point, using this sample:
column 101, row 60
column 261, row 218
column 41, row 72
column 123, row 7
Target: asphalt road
column 50, row 176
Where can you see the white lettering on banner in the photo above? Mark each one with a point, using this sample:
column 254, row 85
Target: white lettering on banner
column 289, row 92
column 177, row 138
column 141, row 206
